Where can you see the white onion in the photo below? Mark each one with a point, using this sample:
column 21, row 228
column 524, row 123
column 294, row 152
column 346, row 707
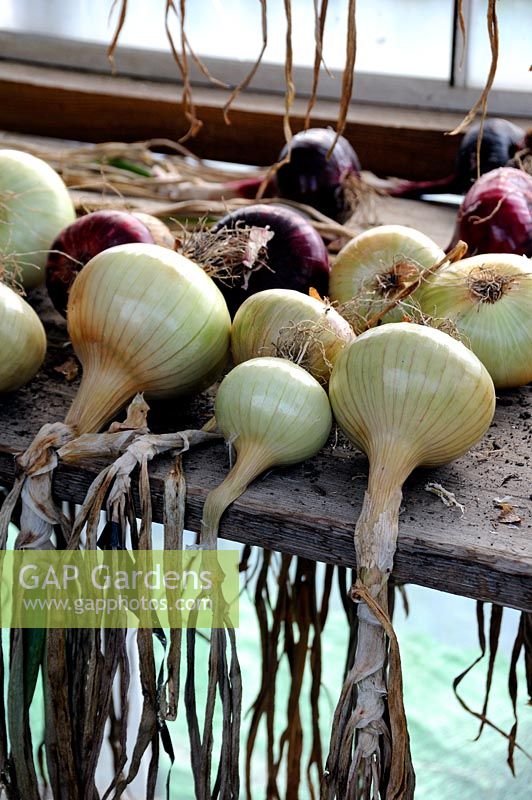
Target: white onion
column 34, row 207
column 375, row 266
column 22, row 340
column 489, row 299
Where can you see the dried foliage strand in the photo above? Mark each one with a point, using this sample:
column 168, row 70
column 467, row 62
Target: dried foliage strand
column 253, row 71
column 320, row 16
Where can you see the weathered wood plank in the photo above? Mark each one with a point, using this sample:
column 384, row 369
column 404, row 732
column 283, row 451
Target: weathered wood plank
column 310, row 509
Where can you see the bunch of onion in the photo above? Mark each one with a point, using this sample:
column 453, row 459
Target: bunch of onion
column 22, row 340
column 89, row 235
column 289, row 324
column 34, row 207
column 375, row 268
column 496, row 213
column 408, row 396
column 140, row 318
column 273, row 413
column 489, row 300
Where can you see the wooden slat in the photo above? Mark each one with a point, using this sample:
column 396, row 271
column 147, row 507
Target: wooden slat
column 75, row 105
column 310, row 509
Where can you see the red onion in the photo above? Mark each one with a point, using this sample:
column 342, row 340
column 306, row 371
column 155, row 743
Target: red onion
column 296, row 255
column 313, row 178
column 500, row 141
column 88, row 236
column 496, row 214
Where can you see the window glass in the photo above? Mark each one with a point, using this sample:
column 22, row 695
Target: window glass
column 410, row 37
column 515, row 51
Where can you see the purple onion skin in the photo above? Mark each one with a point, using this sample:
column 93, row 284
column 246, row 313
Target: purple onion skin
column 297, row 256
column 83, row 239
column 496, row 214
column 310, row 178
column 500, row 142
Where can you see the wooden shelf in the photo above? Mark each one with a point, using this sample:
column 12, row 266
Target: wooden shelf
column 310, row 509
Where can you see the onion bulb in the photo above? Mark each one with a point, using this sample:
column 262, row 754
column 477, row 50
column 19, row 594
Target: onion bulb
column 374, row 267
column 143, row 318
column 315, row 176
column 282, row 322
column 296, row 255
column 22, row 340
column 274, row 414
column 496, row 213
column 89, row 235
column 34, row 207
column 407, row 395
column 489, row 299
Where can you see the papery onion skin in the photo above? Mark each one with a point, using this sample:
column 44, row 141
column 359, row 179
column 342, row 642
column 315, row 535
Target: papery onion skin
column 496, row 214
column 34, row 207
column 498, row 331
column 22, row 340
column 267, row 320
column 275, row 407
column 377, row 252
column 143, row 318
column 412, row 391
column 296, row 255
column 315, row 178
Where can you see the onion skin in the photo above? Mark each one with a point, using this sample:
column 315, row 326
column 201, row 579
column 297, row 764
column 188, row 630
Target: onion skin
column 143, row 318
column 266, row 319
column 84, row 239
column 372, row 255
column 297, row 256
column 22, row 341
column 501, row 140
column 312, row 178
column 34, row 207
column 498, row 331
column 496, row 214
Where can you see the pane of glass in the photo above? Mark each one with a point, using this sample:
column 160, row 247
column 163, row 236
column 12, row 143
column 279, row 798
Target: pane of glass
column 400, row 37
column 515, row 37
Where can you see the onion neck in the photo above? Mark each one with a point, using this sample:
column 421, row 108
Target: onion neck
column 251, row 461
column 102, row 393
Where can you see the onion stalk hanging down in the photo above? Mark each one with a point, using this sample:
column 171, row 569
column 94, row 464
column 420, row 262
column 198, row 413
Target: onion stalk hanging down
column 489, row 300
column 22, row 340
column 89, row 235
column 408, row 396
column 296, row 257
column 274, row 414
column 282, row 322
column 375, row 267
column 34, row 207
column 500, row 142
column 496, row 214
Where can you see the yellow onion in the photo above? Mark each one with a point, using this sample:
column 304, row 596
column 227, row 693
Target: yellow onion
column 143, row 318
column 274, row 413
column 375, row 266
column 293, row 325
column 489, row 299
column 407, row 395
column 22, row 340
column 34, row 207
